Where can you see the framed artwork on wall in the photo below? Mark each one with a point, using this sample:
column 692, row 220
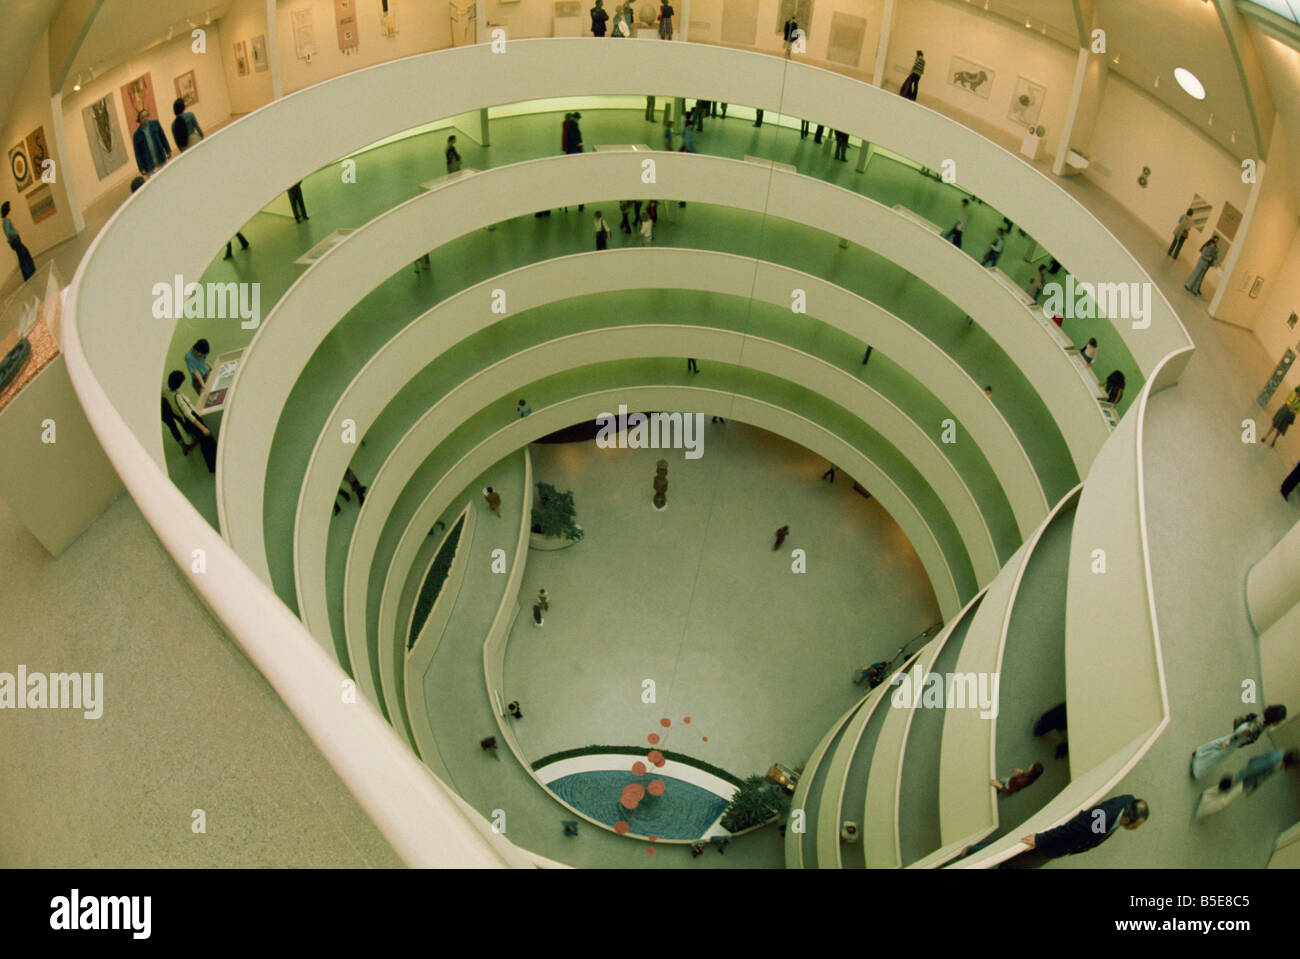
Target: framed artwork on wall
column 37, row 151
column 19, row 167
column 844, row 43
column 971, row 77
column 257, row 48
column 1027, row 102
column 187, row 88
column 1229, row 220
column 241, row 58
column 345, row 18
column 40, row 203
column 108, row 149
column 136, row 96
column 304, row 34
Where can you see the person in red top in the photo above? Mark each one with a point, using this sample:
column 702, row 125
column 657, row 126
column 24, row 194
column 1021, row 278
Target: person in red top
column 1018, row 780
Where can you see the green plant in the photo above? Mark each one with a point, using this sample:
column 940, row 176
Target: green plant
column 553, row 513
column 756, row 801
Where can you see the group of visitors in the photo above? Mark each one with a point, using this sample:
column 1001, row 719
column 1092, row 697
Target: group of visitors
column 624, row 24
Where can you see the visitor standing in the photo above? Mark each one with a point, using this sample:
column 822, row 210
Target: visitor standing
column 1282, row 421
column 26, row 264
column 543, row 600
column 150, row 144
column 791, row 32
column 781, row 534
column 602, row 232
column 184, row 411
column 196, row 361
column 524, row 409
column 913, row 81
column 452, row 155
column 185, row 125
column 1184, row 227
column 841, row 145
column 599, row 19
column 666, row 12
column 995, row 250
column 1209, row 257
column 493, row 499
column 297, row 203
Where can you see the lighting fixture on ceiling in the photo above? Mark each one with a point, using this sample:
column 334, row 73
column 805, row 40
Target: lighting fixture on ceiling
column 1157, row 81
column 76, row 87
column 1028, row 25
column 207, row 18
column 1191, row 86
column 1211, row 119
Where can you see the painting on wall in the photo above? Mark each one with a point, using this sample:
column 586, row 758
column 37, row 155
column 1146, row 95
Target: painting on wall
column 257, row 48
column 241, row 58
column 40, row 203
column 345, row 18
column 844, row 43
column 304, row 34
column 19, row 167
column 1200, row 208
column 107, row 147
column 1229, row 220
column 136, row 96
column 187, row 88
column 1027, row 102
column 37, row 151
column 971, row 77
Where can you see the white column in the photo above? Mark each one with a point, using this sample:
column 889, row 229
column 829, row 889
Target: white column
column 882, row 44
column 682, row 27
column 1273, row 583
column 1071, row 112
column 273, row 51
column 480, row 25
column 64, row 175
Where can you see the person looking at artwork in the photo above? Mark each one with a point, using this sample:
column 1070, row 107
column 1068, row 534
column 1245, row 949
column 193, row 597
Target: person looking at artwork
column 791, row 31
column 666, row 20
column 1114, row 386
column 1282, row 421
column 909, row 87
column 185, row 125
column 25, row 262
column 1184, row 227
column 183, row 410
column 150, row 143
column 452, row 154
column 1209, row 257
column 196, row 361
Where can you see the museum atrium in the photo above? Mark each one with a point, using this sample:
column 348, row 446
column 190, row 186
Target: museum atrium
column 786, row 507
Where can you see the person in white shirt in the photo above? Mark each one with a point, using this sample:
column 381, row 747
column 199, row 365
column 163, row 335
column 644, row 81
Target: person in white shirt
column 1089, row 352
column 995, row 250
column 647, row 231
column 184, row 411
column 602, row 232
column 1184, row 227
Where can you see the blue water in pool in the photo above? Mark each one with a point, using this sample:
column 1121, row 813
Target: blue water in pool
column 684, row 811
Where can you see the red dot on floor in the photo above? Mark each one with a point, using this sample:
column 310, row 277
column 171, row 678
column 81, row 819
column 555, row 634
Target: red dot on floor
column 620, row 827
column 650, row 850
column 638, row 768
column 656, row 757
column 656, row 787
column 665, row 722
column 652, row 739
column 687, row 720
column 705, row 738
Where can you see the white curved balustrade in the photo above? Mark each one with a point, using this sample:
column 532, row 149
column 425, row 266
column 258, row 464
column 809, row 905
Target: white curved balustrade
column 308, row 311
column 461, row 315
column 446, row 414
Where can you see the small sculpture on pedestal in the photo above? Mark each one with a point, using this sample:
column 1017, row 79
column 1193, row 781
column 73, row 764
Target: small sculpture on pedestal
column 661, row 484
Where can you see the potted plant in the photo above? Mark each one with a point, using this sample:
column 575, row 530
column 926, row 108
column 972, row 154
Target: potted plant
column 755, row 802
column 553, row 513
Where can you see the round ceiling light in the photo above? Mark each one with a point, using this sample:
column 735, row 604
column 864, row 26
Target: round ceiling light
column 1187, row 80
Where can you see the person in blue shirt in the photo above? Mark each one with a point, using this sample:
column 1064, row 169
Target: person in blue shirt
column 25, row 262
column 196, row 361
column 150, row 143
column 185, row 126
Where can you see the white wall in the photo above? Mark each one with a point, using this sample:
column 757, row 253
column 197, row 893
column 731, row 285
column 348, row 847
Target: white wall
column 244, row 20
column 1283, row 299
column 943, row 30
column 31, row 109
column 1134, row 131
column 164, row 63
column 421, row 26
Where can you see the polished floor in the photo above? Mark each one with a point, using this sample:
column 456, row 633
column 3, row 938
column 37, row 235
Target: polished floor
column 126, row 787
